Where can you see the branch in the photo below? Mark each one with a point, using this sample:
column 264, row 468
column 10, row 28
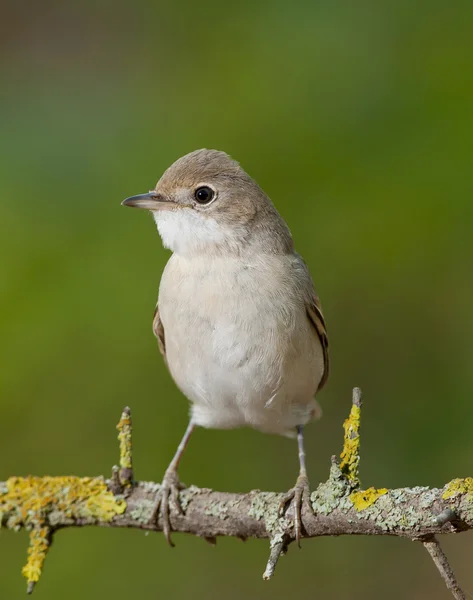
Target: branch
column 438, row 556
column 337, row 507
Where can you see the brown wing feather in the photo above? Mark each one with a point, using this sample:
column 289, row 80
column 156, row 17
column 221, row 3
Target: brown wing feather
column 158, row 331
column 314, row 312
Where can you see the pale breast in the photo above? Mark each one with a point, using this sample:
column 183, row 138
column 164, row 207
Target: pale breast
column 238, row 341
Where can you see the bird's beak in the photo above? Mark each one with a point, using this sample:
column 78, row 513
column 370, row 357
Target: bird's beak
column 150, row 201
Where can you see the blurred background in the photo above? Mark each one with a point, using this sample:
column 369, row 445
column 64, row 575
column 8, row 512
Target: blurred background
column 356, row 119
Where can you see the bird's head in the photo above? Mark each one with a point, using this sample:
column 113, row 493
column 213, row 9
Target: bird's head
column 206, row 203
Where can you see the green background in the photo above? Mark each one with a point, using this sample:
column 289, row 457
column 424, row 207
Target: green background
column 356, row 119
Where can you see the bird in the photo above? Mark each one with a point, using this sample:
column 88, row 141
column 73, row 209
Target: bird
column 238, row 321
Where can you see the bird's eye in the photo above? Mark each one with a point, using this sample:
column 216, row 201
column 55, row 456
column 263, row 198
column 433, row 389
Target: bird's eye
column 204, row 194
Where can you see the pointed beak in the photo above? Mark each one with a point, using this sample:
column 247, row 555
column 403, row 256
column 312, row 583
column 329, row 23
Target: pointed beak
column 150, row 201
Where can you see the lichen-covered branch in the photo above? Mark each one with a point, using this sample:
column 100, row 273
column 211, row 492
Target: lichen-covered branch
column 337, row 507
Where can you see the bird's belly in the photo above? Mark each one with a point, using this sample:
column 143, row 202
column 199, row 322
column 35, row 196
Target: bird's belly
column 257, row 366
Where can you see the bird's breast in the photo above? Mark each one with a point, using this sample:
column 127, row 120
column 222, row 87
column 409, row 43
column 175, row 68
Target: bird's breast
column 236, row 332
column 223, row 307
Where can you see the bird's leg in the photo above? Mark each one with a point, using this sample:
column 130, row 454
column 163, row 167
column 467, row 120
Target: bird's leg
column 300, row 491
column 170, row 487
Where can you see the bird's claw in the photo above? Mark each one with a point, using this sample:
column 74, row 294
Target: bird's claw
column 168, row 497
column 296, row 496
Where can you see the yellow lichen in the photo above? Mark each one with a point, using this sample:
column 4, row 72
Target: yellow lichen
column 39, row 545
column 365, row 498
column 29, row 501
column 124, row 437
column 458, row 486
column 350, row 457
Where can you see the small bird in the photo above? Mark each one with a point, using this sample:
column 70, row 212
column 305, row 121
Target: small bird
column 238, row 321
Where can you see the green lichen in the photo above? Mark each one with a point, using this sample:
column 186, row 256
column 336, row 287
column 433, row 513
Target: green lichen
column 265, row 505
column 144, row 511
column 410, row 519
column 327, row 497
column 458, row 486
column 363, row 499
column 350, row 456
column 466, row 507
column 428, row 497
column 332, row 493
column 150, row 487
column 221, row 509
column 390, row 511
column 29, row 501
column 216, row 509
column 277, row 538
column 186, row 496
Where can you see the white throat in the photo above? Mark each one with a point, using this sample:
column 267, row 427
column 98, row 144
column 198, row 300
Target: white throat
column 188, row 233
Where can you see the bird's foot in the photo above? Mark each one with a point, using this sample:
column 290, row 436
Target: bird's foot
column 297, row 495
column 168, row 497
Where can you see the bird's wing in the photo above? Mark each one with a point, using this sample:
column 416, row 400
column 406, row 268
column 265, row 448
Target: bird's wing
column 316, row 317
column 158, row 331
column 314, row 312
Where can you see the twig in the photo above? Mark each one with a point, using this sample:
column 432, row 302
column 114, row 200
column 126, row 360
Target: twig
column 125, row 474
column 438, row 556
column 350, row 456
column 278, row 548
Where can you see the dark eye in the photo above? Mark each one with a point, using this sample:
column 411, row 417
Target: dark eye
column 204, row 194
